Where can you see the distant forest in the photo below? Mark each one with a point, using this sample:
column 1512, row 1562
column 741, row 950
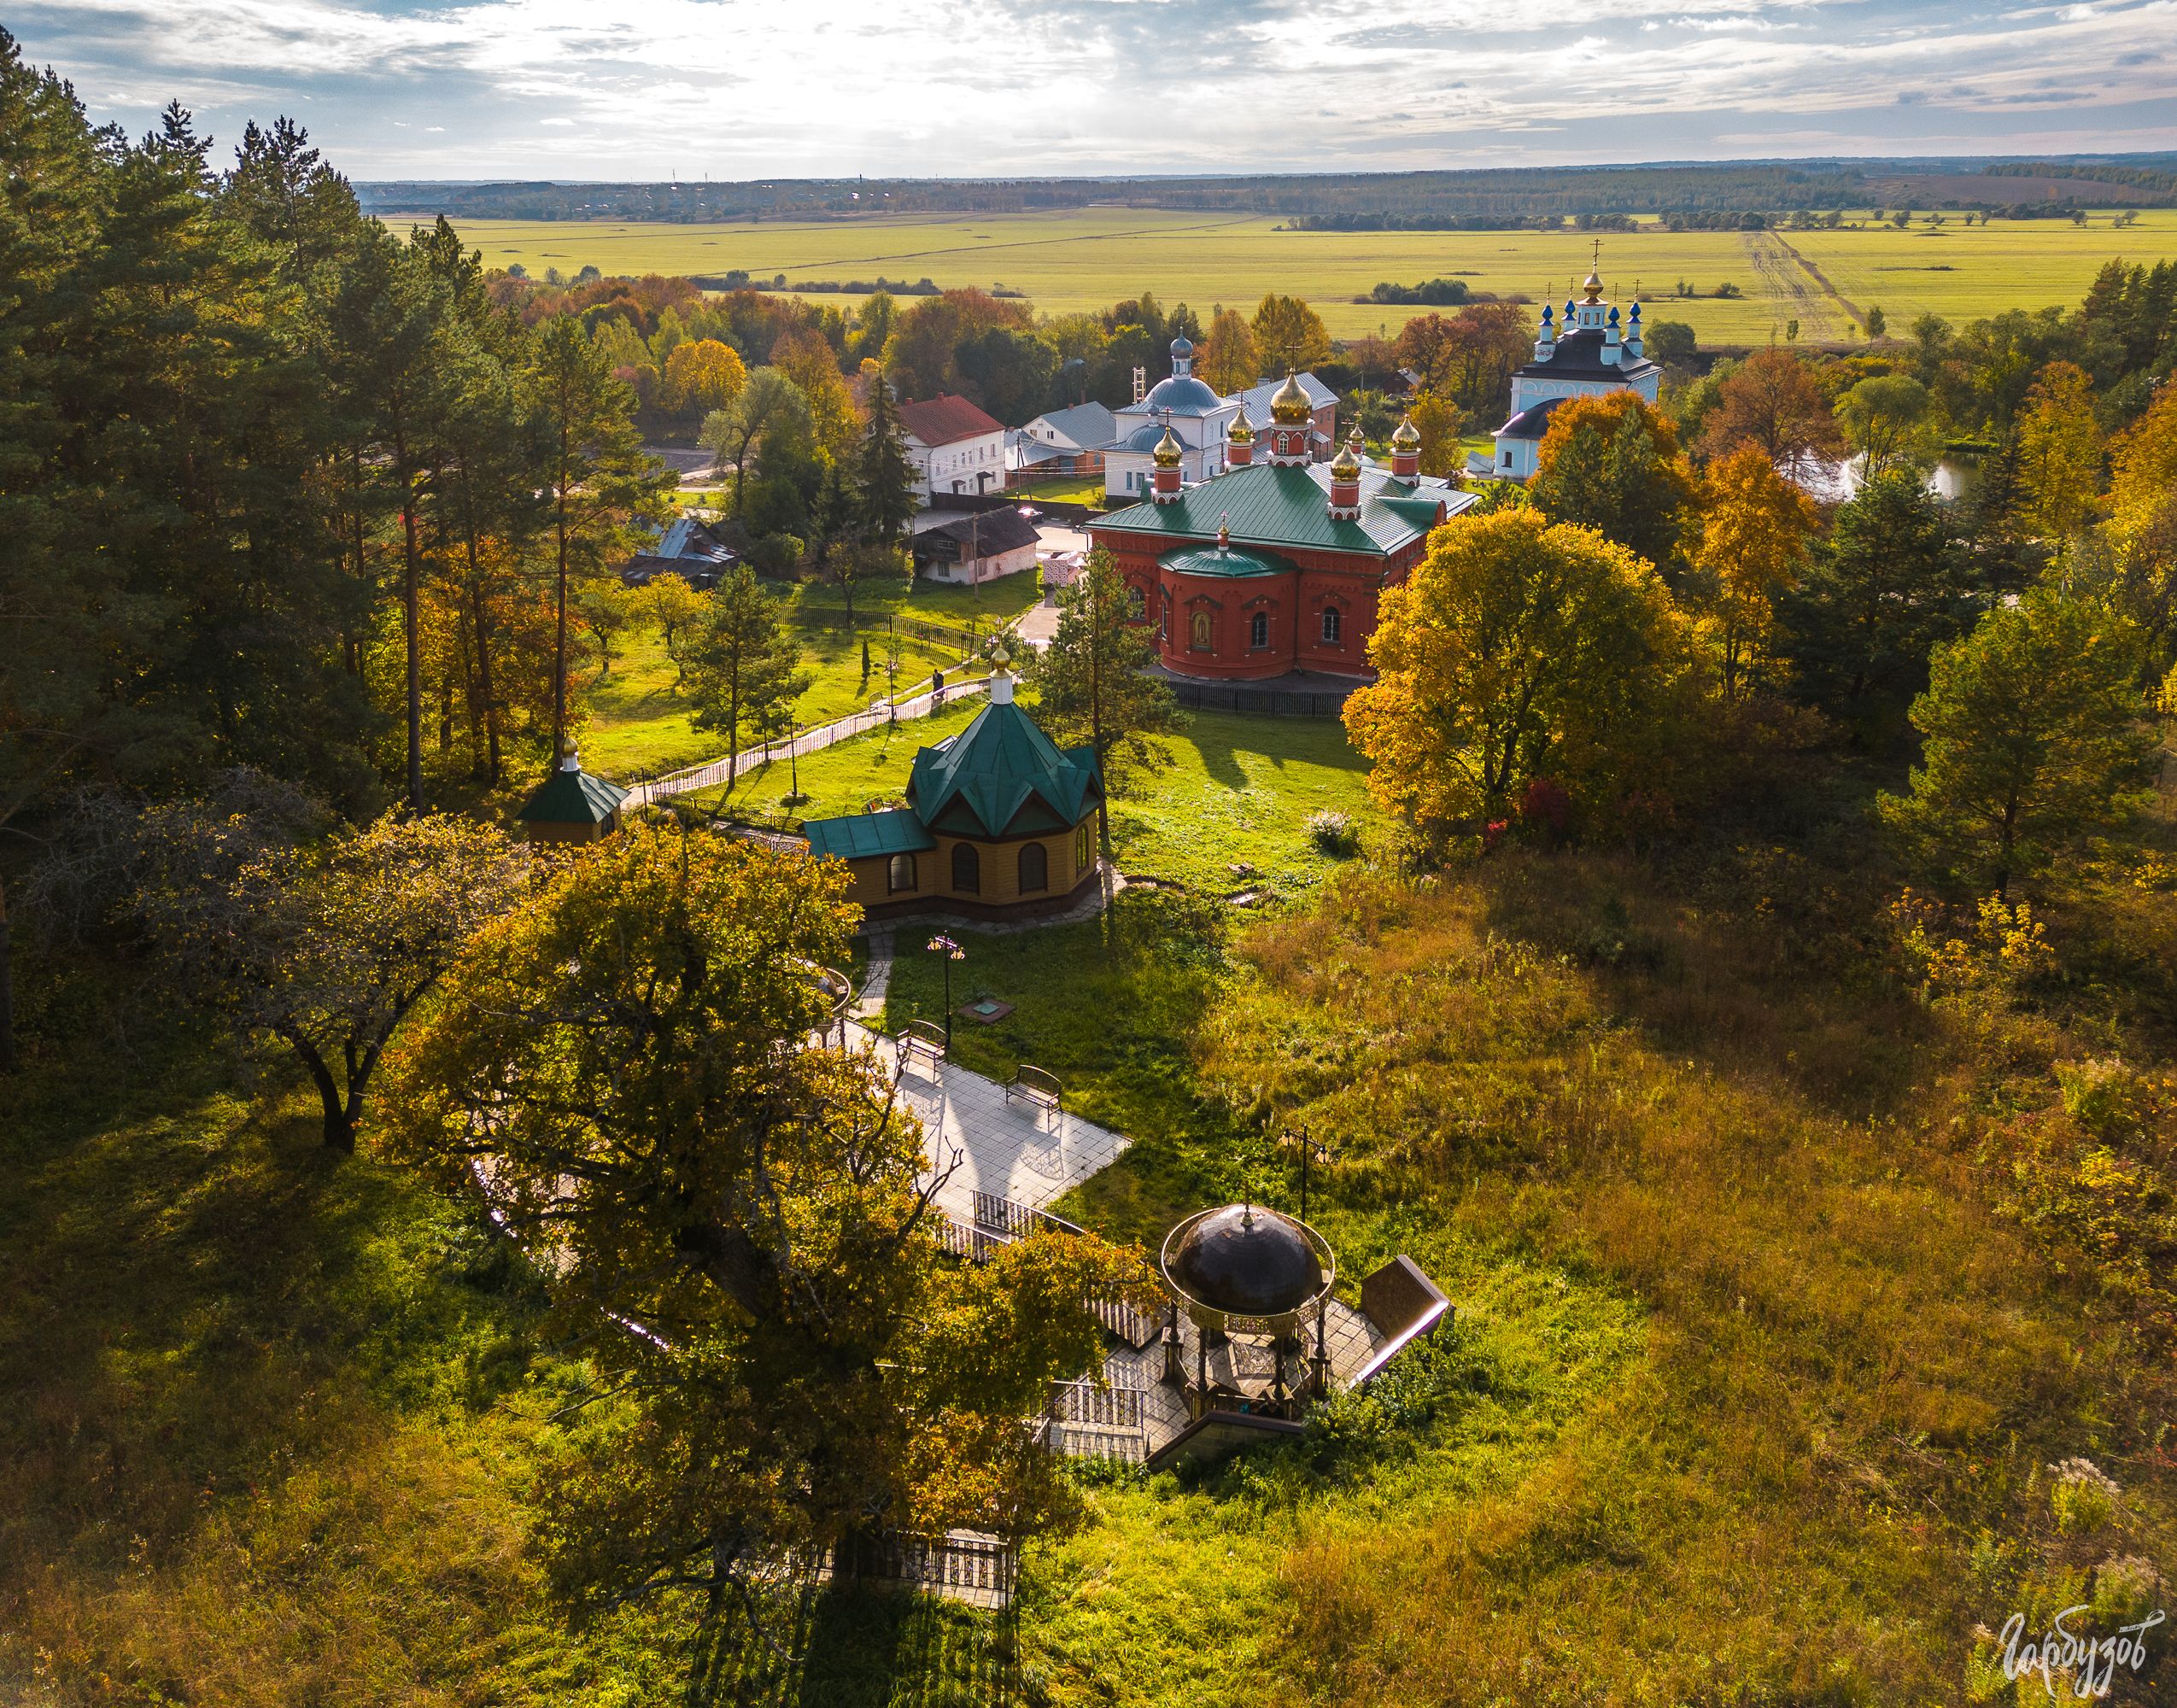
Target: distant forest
column 1702, row 193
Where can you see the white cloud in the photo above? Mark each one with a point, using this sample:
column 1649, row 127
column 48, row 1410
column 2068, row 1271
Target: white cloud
column 751, row 86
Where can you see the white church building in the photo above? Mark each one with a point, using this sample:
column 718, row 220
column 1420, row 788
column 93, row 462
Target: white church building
column 1588, row 354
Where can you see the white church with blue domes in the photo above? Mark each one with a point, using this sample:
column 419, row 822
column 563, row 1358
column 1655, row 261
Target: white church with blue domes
column 1589, row 354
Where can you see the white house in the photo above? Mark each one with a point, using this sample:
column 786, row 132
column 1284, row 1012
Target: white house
column 953, row 446
column 1586, row 357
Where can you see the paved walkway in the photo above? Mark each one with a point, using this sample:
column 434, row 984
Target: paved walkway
column 713, row 773
column 1009, row 1149
column 876, row 978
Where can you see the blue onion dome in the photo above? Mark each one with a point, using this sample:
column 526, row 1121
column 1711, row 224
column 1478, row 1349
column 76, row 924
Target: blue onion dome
column 1182, row 395
column 1182, row 348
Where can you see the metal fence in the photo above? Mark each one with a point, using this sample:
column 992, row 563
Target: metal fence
column 1086, row 1402
column 1195, row 696
column 1016, row 1221
column 959, row 1565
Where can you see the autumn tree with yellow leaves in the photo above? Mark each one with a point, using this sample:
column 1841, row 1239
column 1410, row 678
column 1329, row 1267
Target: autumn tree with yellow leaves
column 633, row 1073
column 1519, row 650
column 1751, row 549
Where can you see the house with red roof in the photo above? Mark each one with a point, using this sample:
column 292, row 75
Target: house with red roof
column 953, row 445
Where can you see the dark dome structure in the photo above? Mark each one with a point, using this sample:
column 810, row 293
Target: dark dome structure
column 1245, row 1261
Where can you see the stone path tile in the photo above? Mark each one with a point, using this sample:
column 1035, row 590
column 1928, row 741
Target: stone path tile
column 1010, row 1148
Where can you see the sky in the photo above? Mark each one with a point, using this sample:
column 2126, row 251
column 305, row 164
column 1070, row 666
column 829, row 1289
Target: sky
column 737, row 89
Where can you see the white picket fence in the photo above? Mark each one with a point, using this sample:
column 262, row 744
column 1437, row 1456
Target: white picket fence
column 713, row 772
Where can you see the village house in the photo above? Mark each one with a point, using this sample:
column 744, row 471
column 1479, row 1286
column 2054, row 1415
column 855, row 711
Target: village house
column 953, row 446
column 977, row 547
column 1060, row 444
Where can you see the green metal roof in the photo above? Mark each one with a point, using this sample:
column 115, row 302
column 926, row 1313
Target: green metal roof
column 1208, row 560
column 1002, row 775
column 1267, row 505
column 571, row 798
column 861, row 835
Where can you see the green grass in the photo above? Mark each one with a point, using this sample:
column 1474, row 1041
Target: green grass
column 1070, row 489
column 1090, row 258
column 271, row 1414
column 1238, row 792
column 640, row 726
column 1748, row 1391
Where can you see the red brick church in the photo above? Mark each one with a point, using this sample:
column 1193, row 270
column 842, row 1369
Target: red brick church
column 1274, row 566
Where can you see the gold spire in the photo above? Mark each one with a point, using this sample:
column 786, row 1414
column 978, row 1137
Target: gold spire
column 1242, row 430
column 1167, row 449
column 1408, row 436
column 1289, row 405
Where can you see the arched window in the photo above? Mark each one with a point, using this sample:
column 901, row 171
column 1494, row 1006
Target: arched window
column 1258, row 630
column 1137, row 602
column 1198, row 631
column 1035, row 868
column 902, row 875
column 1081, row 848
column 1331, row 625
column 967, row 869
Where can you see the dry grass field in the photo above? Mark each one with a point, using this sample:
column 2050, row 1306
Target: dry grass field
column 1090, row 258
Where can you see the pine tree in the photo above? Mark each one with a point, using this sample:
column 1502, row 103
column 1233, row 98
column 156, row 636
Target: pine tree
column 1890, row 582
column 885, row 478
column 599, row 480
column 2033, row 735
column 1091, row 689
column 741, row 664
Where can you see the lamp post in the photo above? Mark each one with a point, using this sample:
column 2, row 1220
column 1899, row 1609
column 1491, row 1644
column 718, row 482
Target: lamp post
column 1311, row 1150
column 944, row 945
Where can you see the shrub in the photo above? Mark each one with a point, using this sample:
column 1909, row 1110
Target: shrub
column 775, row 554
column 2083, row 1496
column 2102, row 1095
column 1335, row 834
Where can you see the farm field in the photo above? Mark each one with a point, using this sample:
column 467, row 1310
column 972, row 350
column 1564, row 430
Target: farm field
column 1081, row 258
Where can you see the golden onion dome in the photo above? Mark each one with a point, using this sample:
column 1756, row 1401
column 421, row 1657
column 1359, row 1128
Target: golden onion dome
column 1408, row 436
column 1593, row 285
column 1346, row 465
column 1289, row 404
column 1242, row 430
column 1168, row 450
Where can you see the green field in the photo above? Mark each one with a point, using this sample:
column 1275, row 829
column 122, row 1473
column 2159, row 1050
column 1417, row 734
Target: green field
column 1090, row 258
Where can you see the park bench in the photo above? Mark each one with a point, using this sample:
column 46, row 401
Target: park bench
column 920, row 1037
column 1033, row 1085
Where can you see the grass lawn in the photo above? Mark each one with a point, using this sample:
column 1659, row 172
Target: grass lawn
column 640, row 727
column 1078, row 259
column 1071, row 489
column 1238, row 792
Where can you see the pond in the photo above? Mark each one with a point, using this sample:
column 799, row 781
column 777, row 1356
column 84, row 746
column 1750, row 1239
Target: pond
column 1950, row 479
